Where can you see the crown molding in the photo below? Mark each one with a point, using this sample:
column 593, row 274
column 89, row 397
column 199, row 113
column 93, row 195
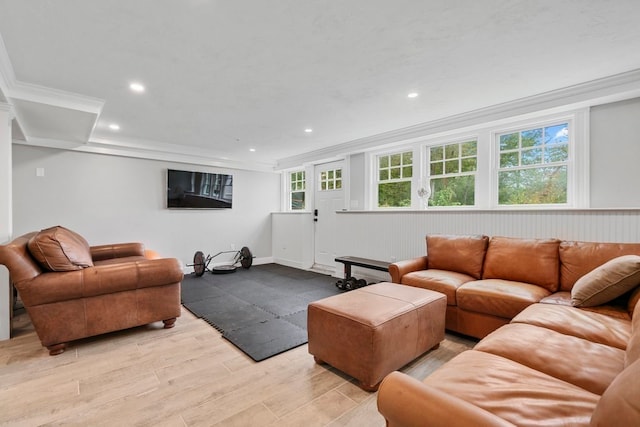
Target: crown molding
column 117, row 149
column 595, row 92
column 54, row 97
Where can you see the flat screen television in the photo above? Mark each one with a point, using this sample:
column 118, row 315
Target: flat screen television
column 199, row 190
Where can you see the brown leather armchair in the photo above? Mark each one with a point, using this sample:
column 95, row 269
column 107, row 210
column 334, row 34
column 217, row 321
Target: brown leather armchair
column 71, row 290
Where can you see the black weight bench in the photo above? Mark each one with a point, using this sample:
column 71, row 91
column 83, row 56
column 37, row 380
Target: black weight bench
column 349, row 282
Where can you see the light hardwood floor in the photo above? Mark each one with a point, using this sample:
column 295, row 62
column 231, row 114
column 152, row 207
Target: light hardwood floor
column 185, row 376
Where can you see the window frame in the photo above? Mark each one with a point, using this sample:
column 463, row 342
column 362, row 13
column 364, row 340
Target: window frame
column 577, row 162
column 426, row 177
column 375, row 175
column 290, row 191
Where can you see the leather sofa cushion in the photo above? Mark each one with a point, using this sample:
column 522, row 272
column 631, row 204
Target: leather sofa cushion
column 588, row 365
column 619, row 403
column 633, row 347
column 579, row 258
column 445, row 282
column 591, row 326
column 607, row 282
column 514, row 392
column 502, row 298
column 462, row 254
column 534, row 261
column 60, row 249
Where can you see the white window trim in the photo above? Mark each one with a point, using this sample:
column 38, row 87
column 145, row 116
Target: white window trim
column 578, row 162
column 486, row 173
column 425, row 170
column 373, row 176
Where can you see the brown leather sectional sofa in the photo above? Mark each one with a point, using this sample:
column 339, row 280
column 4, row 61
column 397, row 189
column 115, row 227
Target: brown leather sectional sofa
column 72, row 290
column 553, row 353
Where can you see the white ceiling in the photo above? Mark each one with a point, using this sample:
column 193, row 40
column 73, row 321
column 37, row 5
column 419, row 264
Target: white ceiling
column 225, row 76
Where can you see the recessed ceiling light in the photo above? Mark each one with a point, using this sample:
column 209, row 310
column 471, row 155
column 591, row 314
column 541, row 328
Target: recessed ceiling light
column 114, row 126
column 252, row 149
column 136, row 87
column 413, row 95
column 308, row 130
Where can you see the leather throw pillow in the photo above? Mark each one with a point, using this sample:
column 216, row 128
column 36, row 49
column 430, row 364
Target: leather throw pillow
column 60, row 249
column 607, row 282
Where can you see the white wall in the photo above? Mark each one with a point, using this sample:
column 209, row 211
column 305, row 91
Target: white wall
column 615, row 155
column 5, row 216
column 293, row 239
column 110, row 199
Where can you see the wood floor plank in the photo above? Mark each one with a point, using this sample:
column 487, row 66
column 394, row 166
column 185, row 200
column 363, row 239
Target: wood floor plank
column 187, row 376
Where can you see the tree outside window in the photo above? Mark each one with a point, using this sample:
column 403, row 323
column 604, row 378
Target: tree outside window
column 394, row 179
column 533, row 166
column 452, row 174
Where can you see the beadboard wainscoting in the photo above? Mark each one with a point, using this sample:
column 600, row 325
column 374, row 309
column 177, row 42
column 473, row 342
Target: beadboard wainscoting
column 398, row 235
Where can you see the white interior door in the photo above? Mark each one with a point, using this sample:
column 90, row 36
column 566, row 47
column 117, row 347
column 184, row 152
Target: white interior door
column 328, row 198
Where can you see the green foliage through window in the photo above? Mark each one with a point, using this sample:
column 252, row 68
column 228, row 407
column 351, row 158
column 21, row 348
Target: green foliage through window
column 394, row 179
column 533, row 166
column 452, row 170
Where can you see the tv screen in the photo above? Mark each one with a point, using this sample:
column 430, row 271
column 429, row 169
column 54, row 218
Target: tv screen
column 199, row 190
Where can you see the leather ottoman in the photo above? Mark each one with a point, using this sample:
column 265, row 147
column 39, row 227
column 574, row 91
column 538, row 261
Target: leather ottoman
column 372, row 331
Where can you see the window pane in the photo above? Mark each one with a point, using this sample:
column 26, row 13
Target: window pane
column 532, row 156
column 329, row 174
column 453, row 191
column 323, row 185
column 323, row 176
column 384, row 174
column 558, row 134
column 469, row 165
column 546, row 185
column 396, row 159
column 330, row 185
column 384, row 162
column 293, row 186
column 531, row 137
column 437, row 168
column 407, row 171
column 509, row 142
column 394, row 194
column 297, row 200
column 468, row 149
column 451, row 166
column 338, row 184
column 556, row 153
column 508, row 160
column 451, row 151
column 436, row 153
column 338, row 173
column 395, row 173
column 407, row 158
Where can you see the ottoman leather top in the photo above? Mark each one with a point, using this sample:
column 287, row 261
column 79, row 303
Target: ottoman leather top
column 376, row 304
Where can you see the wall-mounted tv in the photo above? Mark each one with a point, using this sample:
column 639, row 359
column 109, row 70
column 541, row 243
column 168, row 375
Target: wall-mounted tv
column 199, row 190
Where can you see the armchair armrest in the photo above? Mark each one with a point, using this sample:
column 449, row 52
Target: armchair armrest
column 400, row 268
column 405, row 401
column 103, row 279
column 118, row 250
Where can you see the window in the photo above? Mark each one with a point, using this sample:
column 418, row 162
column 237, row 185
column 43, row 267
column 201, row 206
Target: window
column 532, row 165
column 297, row 192
column 452, row 174
column 331, row 180
column 394, row 179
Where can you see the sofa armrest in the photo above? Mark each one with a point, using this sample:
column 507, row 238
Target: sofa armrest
column 118, row 250
column 405, row 401
column 99, row 280
column 400, row 268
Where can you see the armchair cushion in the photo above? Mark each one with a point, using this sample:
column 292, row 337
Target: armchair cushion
column 607, row 282
column 60, row 249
